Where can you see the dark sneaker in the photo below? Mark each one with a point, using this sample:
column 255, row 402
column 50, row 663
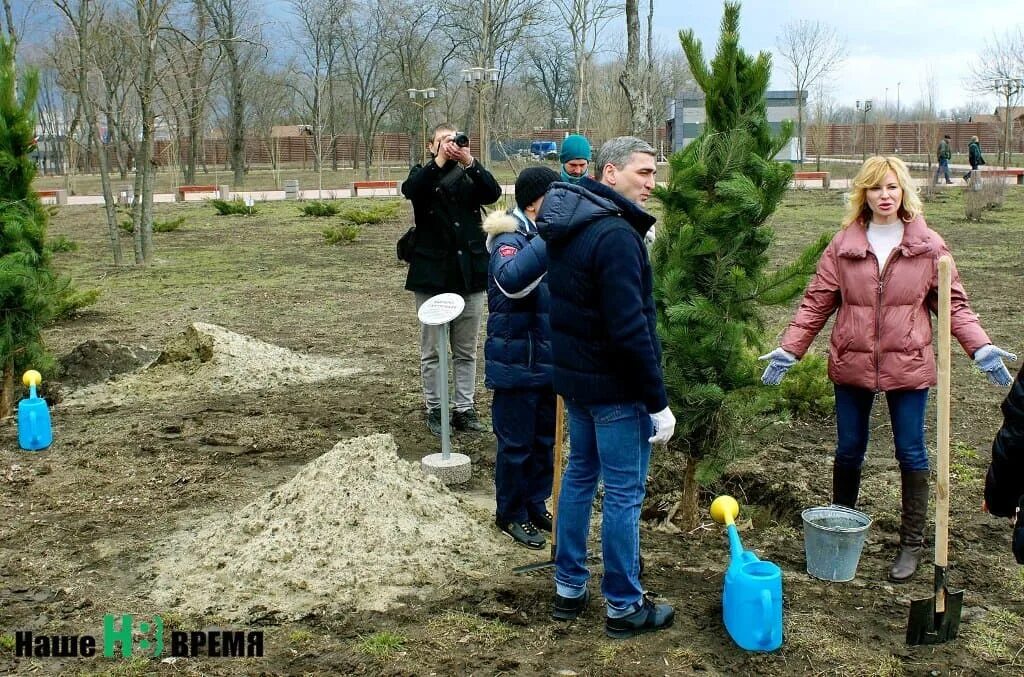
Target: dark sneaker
column 523, row 533
column 467, row 420
column 434, row 421
column 569, row 608
column 648, row 618
column 542, row 520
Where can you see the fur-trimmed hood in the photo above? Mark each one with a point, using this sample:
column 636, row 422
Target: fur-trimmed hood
column 497, row 223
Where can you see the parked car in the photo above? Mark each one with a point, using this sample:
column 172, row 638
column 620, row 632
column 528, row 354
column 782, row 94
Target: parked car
column 544, row 150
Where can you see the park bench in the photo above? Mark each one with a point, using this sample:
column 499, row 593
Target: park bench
column 373, row 185
column 1016, row 173
column 57, row 195
column 813, row 176
column 184, row 190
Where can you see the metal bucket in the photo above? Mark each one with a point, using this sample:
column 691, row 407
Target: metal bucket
column 833, row 539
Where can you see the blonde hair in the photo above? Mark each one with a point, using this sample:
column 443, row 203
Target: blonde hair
column 974, row 139
column 871, row 174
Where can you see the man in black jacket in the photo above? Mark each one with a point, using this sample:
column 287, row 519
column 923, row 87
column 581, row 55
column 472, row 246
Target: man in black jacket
column 450, row 256
column 607, row 367
column 1004, row 482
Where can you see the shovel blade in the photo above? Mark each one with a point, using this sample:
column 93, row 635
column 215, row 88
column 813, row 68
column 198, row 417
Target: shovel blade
column 928, row 626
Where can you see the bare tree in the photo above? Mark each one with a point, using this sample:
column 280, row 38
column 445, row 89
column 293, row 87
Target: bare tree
column 237, row 36
column 811, row 52
column 421, row 52
column 999, row 70
column 490, row 33
column 272, row 104
column 550, row 73
column 81, row 16
column 190, row 58
column 318, row 36
column 637, row 75
column 585, row 21
column 823, row 107
column 367, row 66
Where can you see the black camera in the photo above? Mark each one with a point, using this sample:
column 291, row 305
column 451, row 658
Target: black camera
column 461, row 139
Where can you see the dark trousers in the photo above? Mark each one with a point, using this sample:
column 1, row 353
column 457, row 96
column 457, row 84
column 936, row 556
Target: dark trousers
column 524, row 425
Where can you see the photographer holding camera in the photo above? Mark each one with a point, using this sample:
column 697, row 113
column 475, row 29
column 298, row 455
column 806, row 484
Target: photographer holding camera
column 449, row 256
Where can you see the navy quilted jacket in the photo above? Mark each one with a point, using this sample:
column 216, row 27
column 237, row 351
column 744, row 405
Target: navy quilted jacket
column 603, row 324
column 518, row 346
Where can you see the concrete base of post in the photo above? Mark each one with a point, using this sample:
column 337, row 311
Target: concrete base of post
column 456, row 470
column 224, row 191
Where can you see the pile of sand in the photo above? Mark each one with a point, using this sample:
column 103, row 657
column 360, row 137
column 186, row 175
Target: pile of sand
column 210, row 358
column 357, row 528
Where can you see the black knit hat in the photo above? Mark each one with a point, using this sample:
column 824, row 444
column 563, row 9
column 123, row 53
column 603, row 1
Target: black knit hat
column 532, row 183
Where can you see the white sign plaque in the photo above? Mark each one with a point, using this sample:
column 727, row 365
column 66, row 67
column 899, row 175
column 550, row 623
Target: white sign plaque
column 441, row 309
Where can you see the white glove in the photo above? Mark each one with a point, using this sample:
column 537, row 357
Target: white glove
column 664, row 425
column 649, row 237
column 779, row 362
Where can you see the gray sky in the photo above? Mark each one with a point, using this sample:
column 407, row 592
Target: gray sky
column 888, row 41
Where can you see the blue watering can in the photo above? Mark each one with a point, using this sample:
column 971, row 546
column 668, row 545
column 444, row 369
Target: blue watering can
column 752, row 593
column 34, row 431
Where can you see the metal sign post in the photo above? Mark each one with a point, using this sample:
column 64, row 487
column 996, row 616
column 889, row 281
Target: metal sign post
column 439, row 311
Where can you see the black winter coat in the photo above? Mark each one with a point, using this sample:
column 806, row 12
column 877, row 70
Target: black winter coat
column 604, row 340
column 449, row 255
column 1004, row 483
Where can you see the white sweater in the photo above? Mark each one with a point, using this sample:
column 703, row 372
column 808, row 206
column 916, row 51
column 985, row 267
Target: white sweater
column 883, row 238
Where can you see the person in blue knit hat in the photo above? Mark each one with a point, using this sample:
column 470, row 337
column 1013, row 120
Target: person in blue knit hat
column 575, row 158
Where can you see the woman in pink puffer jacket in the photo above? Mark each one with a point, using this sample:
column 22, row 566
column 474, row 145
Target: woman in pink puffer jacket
column 880, row 272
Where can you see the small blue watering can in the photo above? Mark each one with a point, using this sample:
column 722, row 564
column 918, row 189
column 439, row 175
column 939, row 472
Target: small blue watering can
column 752, row 593
column 34, row 431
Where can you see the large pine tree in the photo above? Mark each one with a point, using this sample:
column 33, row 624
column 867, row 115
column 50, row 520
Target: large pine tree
column 709, row 256
column 30, row 294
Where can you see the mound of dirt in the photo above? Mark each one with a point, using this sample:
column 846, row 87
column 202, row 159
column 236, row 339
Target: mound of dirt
column 95, row 361
column 206, row 357
column 357, row 528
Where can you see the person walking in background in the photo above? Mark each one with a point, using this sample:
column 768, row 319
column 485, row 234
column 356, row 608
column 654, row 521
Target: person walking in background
column 944, row 154
column 974, row 157
column 607, row 367
column 575, row 158
column 518, row 362
column 879, row 275
column 1004, row 481
column 449, row 255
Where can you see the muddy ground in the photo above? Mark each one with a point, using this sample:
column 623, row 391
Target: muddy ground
column 82, row 521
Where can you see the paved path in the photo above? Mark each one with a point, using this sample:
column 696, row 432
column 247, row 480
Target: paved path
column 345, row 193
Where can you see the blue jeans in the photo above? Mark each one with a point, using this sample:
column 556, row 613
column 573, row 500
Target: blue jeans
column 608, row 440
column 524, row 425
column 906, row 412
column 943, row 168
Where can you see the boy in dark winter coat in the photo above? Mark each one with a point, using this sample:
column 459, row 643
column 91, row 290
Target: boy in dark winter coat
column 518, row 369
column 1004, row 483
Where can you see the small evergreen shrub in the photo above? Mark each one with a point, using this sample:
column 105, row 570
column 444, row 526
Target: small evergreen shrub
column 806, row 391
column 370, row 214
column 318, row 209
column 61, row 243
column 169, row 225
column 343, row 234
column 232, row 207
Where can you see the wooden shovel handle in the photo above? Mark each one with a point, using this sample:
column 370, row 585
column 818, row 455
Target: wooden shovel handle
column 556, row 486
column 942, row 415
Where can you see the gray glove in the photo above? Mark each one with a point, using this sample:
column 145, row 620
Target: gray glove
column 779, row 363
column 990, row 360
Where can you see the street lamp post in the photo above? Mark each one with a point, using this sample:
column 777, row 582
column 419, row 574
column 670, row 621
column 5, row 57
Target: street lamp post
column 1009, row 88
column 422, row 98
column 478, row 78
column 864, row 107
column 898, row 116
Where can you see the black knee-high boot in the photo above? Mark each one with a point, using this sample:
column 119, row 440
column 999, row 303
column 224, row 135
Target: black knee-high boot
column 845, row 485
